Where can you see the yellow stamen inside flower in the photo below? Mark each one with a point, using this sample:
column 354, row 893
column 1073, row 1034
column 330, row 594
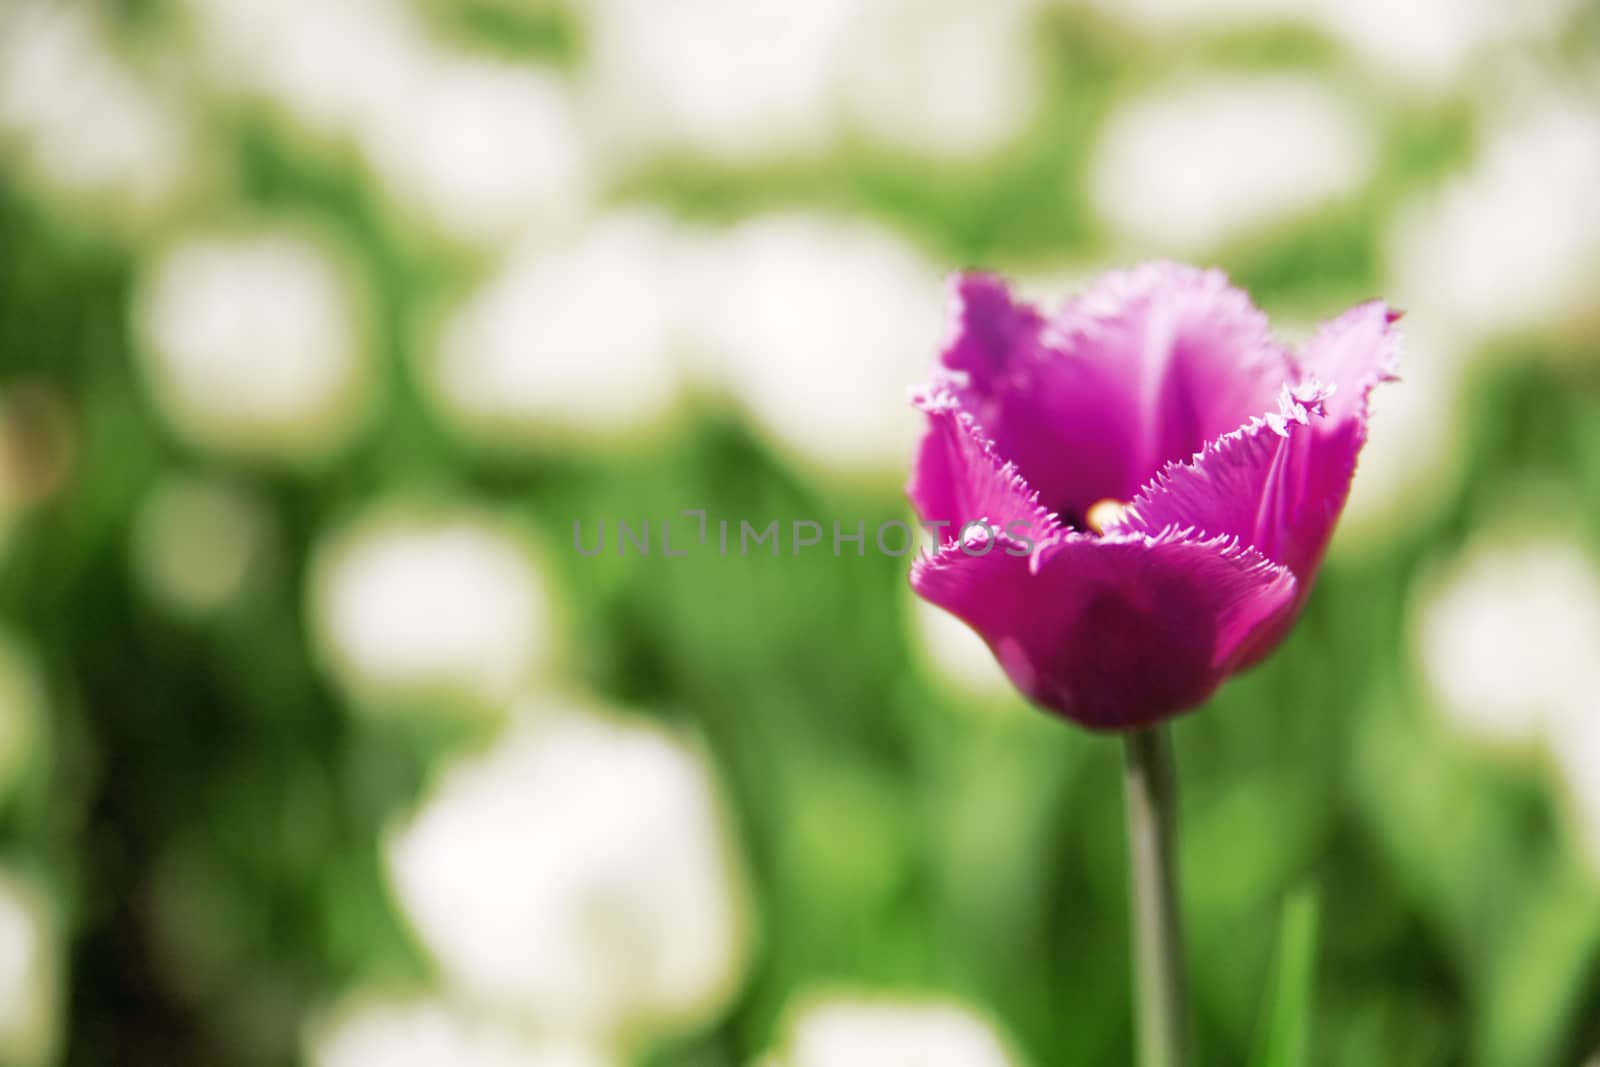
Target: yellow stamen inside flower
column 1107, row 512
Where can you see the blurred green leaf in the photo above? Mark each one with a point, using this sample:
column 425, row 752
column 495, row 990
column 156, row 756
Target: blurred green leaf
column 1285, row 1037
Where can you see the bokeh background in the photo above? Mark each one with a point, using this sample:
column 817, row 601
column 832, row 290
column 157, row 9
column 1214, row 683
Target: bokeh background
column 321, row 323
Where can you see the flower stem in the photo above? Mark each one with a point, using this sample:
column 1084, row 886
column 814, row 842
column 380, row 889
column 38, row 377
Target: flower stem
column 1157, row 936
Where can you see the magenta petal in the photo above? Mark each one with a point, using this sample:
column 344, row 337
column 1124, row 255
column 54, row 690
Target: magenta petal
column 997, row 371
column 1188, row 353
column 1354, row 354
column 989, row 328
column 1115, row 632
column 1251, row 486
column 1144, row 368
column 1279, row 483
column 958, row 479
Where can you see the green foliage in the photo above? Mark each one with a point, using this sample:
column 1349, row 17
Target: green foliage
column 1287, row 1029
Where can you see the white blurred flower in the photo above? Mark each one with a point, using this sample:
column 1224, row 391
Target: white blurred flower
column 747, row 80
column 888, row 1032
column 1509, row 641
column 335, row 67
column 1512, row 244
column 817, row 326
column 378, row 1031
column 575, row 338
column 1194, row 164
column 30, row 996
column 22, row 712
column 1434, row 44
column 195, row 542
column 1429, row 45
column 1508, row 637
column 82, row 118
column 948, row 79
column 733, row 79
column 431, row 605
column 253, row 344
column 579, row 874
column 482, row 149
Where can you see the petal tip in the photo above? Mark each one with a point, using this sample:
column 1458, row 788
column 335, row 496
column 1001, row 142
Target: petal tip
column 984, row 328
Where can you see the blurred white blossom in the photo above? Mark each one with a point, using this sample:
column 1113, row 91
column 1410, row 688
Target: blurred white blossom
column 1193, row 164
column 195, row 542
column 580, row 874
column 890, row 1032
column 392, row 1031
column 81, row 118
column 730, row 79
column 30, row 995
column 948, row 78
column 336, row 68
column 427, row 605
column 483, row 150
column 816, row 325
column 578, row 337
column 1512, row 245
column 748, row 80
column 254, row 343
column 479, row 149
column 1507, row 638
column 1436, row 44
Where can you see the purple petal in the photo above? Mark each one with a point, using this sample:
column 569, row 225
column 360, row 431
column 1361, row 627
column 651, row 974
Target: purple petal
column 958, row 478
column 988, row 327
column 1201, row 359
column 1354, row 353
column 1115, row 632
column 1250, row 486
column 1144, row 368
column 1279, row 483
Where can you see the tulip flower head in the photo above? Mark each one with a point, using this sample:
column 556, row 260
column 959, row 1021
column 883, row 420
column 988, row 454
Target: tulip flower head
column 1136, row 492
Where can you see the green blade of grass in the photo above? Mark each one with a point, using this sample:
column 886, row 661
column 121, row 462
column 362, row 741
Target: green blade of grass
column 1285, row 1036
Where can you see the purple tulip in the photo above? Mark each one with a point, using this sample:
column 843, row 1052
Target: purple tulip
column 1139, row 489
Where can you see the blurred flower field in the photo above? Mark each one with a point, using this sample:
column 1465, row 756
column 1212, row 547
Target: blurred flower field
column 323, row 324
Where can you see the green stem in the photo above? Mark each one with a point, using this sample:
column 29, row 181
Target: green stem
column 1157, row 935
